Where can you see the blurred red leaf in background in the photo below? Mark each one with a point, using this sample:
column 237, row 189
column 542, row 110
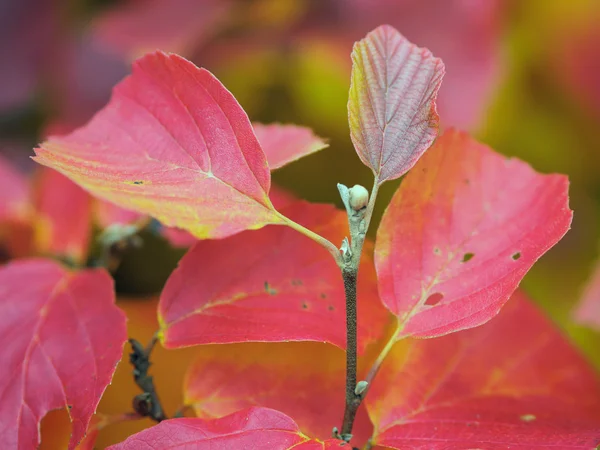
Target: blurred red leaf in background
column 56, row 327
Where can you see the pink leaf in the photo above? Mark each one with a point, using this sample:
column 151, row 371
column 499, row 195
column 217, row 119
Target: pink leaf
column 172, row 143
column 134, row 27
column 514, row 383
column 269, row 285
column 391, row 108
column 14, row 193
column 64, row 216
column 461, row 232
column 254, row 428
column 61, row 337
column 588, row 310
column 284, row 144
column 304, row 380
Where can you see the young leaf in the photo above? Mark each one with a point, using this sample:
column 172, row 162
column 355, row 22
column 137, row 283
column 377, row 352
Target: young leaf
column 461, row 232
column 391, row 108
column 269, row 286
column 63, row 223
column 284, row 144
column 304, row 380
column 514, row 383
column 172, row 143
column 588, row 310
column 254, row 428
column 61, row 337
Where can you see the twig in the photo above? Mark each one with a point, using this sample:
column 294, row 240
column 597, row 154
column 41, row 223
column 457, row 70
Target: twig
column 352, row 399
column 116, row 239
column 359, row 208
column 147, row 403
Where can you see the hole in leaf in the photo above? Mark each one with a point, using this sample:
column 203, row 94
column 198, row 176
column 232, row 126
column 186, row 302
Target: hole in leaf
column 467, row 257
column 304, row 305
column 436, row 251
column 516, row 256
column 269, row 290
column 330, row 308
column 434, row 299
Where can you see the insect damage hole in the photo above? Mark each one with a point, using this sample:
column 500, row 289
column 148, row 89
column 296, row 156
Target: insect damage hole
column 434, row 299
column 516, row 256
column 467, row 257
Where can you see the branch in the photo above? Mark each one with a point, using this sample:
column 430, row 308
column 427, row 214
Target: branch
column 359, row 208
column 115, row 240
column 146, row 404
column 352, row 399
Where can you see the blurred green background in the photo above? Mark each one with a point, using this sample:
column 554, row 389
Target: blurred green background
column 522, row 75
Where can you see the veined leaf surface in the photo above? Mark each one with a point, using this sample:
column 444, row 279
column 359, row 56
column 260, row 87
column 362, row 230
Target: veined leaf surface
column 270, row 285
column 172, row 143
column 391, row 108
column 460, row 233
column 512, row 383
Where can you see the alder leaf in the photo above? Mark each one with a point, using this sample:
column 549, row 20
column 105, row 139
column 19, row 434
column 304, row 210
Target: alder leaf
column 63, row 222
column 270, row 285
column 461, row 232
column 172, row 143
column 391, row 107
column 61, row 337
column 305, row 380
column 254, row 428
column 513, row 383
column 284, row 144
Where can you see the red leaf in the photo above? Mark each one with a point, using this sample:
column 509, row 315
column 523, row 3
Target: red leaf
column 14, row 193
column 174, row 25
column 576, row 61
column 61, row 337
column 284, row 144
column 514, row 383
column 461, row 232
column 270, row 285
column 172, row 143
column 304, row 380
column 391, row 108
column 588, row 310
column 466, row 35
column 254, row 428
column 64, row 216
column 107, row 213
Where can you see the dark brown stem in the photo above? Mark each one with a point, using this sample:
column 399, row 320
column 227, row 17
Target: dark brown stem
column 358, row 222
column 147, row 403
column 352, row 399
